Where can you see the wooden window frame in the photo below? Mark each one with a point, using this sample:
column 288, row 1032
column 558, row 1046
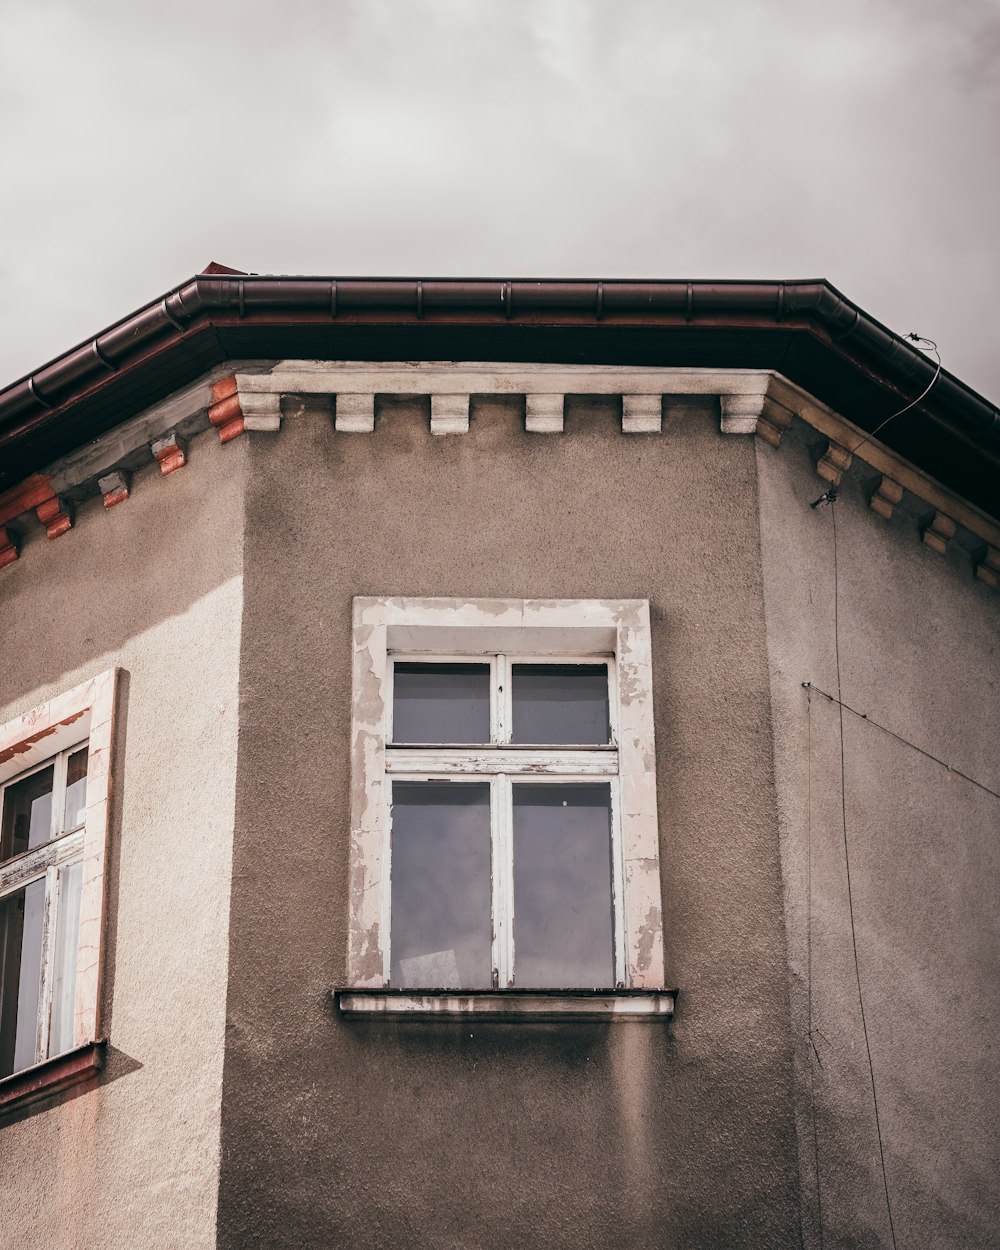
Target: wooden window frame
column 391, row 630
column 83, row 716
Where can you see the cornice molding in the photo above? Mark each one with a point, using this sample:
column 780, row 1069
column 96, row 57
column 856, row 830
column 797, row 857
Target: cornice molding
column 250, row 399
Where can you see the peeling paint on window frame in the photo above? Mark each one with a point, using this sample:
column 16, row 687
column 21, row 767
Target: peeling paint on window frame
column 83, row 716
column 528, row 630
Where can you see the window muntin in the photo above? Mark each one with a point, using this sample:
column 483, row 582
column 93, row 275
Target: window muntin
column 504, row 633
column 41, row 850
column 548, row 871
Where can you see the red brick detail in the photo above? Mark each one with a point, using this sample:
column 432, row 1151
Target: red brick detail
column 8, row 551
column 225, row 412
column 232, row 429
column 53, row 517
column 223, row 388
column 25, row 496
column 170, row 458
column 112, row 497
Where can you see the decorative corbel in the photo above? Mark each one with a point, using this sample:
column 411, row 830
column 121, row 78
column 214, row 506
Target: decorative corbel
column 834, row 463
column 773, row 421
column 939, row 533
column 987, row 566
column 355, row 414
column 8, row 548
column 642, row 414
column 449, row 414
column 543, row 414
column 114, row 488
column 740, row 413
column 55, row 515
column 887, row 495
column 170, row 452
column 225, row 411
column 261, row 412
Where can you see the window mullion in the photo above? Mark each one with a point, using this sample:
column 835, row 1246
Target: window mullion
column 390, row 669
column 501, row 684
column 614, row 727
column 385, row 909
column 503, row 881
column 618, row 909
column 58, row 815
column 50, row 916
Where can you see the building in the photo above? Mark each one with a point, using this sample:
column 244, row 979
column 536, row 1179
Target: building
column 683, row 681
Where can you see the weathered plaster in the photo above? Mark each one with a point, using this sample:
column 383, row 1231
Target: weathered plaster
column 155, row 588
column 919, row 642
column 433, row 1133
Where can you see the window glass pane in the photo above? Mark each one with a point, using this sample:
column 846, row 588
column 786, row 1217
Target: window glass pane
column 441, row 703
column 441, row 899
column 563, row 931
column 20, row 975
column 27, row 813
column 67, row 939
column 560, row 703
column 76, row 789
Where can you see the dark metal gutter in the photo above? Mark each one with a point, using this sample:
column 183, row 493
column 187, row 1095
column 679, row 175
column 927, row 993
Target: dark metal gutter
column 805, row 329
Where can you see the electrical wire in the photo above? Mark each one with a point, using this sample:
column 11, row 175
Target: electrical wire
column 830, row 498
column 914, row 338
column 847, row 864
column 808, row 685
column 813, row 1052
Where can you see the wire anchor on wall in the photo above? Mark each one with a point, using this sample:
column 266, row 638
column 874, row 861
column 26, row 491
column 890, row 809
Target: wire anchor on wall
column 828, row 496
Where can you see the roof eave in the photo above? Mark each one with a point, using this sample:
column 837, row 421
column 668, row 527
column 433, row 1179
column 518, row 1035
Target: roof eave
column 214, row 317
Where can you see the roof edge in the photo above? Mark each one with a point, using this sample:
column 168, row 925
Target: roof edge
column 208, row 301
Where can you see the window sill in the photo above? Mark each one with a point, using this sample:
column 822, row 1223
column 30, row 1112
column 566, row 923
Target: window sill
column 45, row 1079
column 511, row 1004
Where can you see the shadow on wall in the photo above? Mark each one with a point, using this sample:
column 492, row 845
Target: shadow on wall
column 116, row 1065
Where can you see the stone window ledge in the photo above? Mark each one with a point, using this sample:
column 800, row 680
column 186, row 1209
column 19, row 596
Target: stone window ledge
column 42, row 1080
column 510, row 1004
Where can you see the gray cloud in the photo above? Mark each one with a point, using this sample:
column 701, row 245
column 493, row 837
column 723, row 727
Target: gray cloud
column 856, row 142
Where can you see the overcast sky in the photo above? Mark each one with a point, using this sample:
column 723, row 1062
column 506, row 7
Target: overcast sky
column 856, row 141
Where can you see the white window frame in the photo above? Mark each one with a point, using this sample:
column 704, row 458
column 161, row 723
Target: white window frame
column 512, row 630
column 48, row 734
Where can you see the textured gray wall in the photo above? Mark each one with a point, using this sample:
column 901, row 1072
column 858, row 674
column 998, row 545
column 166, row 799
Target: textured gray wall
column 918, row 653
column 154, row 586
column 436, row 1134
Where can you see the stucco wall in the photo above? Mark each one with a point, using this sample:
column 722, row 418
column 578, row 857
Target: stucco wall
column 919, row 654
column 155, row 587
column 436, row 1134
